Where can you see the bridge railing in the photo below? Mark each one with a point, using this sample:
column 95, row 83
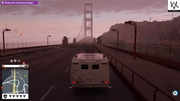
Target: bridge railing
column 140, row 85
column 170, row 52
column 18, row 50
column 167, row 55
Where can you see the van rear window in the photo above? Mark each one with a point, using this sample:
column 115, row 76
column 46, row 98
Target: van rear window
column 84, row 66
column 95, row 66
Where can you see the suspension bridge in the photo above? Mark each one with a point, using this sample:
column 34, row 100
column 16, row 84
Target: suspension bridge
column 147, row 78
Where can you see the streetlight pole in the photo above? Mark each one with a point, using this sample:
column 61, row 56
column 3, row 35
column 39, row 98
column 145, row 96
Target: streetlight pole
column 4, row 38
column 117, row 38
column 135, row 25
column 48, row 40
column 3, row 42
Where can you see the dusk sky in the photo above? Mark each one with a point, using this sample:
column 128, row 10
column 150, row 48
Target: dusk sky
column 64, row 17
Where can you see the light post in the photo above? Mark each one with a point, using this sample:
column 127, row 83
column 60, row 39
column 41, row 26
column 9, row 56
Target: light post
column 4, row 39
column 117, row 38
column 48, row 40
column 134, row 24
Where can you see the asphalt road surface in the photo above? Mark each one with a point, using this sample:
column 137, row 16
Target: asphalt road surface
column 49, row 74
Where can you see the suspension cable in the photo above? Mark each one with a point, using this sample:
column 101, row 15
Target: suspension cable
column 80, row 29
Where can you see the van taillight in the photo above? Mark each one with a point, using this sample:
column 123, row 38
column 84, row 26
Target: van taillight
column 73, row 82
column 106, row 81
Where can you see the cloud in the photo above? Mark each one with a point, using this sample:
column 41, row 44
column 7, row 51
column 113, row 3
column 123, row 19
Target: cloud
column 76, row 7
column 138, row 11
column 40, row 10
column 96, row 16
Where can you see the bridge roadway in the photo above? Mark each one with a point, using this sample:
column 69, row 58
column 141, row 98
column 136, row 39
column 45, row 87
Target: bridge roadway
column 50, row 77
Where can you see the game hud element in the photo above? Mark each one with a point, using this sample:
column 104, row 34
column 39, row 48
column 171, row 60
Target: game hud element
column 15, row 81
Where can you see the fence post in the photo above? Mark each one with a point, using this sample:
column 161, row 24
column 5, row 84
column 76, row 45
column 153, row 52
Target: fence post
column 156, row 54
column 13, row 46
column 154, row 99
column 16, row 50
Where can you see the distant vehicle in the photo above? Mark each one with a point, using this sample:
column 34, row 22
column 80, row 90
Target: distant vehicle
column 90, row 70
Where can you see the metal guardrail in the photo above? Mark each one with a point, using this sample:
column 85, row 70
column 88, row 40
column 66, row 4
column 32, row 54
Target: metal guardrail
column 152, row 93
column 166, row 62
column 13, row 51
column 170, row 52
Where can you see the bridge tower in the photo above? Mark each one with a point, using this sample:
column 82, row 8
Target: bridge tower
column 88, row 20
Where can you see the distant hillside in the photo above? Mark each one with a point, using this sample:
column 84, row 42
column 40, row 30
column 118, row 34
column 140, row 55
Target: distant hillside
column 164, row 32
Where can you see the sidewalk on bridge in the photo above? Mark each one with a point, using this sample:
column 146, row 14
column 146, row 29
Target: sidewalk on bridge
column 165, row 78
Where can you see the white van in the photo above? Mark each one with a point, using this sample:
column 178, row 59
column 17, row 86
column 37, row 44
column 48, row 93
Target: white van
column 90, row 70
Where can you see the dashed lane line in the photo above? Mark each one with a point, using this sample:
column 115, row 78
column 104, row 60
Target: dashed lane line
column 47, row 93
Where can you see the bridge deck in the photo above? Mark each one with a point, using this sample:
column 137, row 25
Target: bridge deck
column 50, row 77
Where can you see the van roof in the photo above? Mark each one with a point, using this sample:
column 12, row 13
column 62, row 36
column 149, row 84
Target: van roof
column 89, row 56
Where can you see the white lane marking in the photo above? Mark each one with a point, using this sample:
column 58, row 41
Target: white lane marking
column 47, row 93
column 67, row 69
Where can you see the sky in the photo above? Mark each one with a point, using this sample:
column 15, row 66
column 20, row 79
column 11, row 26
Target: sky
column 60, row 18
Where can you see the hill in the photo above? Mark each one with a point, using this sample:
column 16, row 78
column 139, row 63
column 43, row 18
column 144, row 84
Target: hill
column 164, row 32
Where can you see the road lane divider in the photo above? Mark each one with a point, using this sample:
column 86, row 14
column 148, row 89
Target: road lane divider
column 67, row 69
column 47, row 93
